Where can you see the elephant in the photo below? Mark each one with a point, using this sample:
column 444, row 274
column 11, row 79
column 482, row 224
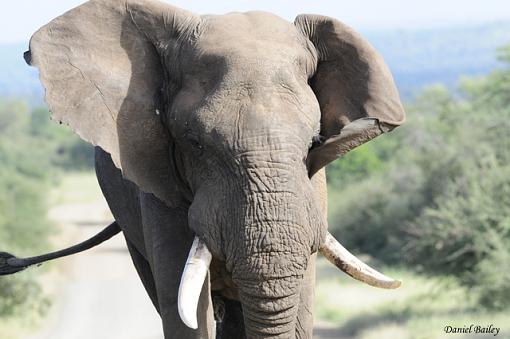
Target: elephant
column 212, row 134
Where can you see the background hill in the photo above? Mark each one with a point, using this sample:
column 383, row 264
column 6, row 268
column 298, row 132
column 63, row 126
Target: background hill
column 416, row 57
column 422, row 57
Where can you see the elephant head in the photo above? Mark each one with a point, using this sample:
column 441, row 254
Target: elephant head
column 232, row 117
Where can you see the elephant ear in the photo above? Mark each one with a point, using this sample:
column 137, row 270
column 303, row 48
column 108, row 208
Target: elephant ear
column 355, row 89
column 100, row 64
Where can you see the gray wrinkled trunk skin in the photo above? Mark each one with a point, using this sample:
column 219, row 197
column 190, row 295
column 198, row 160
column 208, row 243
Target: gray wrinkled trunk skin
column 304, row 321
column 271, row 261
column 272, row 318
column 280, row 307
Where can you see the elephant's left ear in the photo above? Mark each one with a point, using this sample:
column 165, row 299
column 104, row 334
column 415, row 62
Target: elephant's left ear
column 355, row 89
column 101, row 66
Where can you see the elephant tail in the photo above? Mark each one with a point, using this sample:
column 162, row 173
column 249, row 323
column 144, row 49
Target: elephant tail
column 10, row 264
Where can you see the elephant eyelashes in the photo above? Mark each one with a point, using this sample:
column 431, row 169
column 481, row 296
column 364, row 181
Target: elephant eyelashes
column 193, row 141
column 197, row 146
column 317, row 141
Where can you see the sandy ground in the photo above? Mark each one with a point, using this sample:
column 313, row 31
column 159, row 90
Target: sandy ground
column 97, row 294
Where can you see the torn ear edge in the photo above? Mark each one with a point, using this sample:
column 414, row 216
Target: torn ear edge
column 351, row 136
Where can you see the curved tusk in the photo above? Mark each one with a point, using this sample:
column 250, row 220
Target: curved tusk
column 344, row 260
column 192, row 280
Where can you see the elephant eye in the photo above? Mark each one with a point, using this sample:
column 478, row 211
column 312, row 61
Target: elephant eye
column 193, row 141
column 195, row 144
column 317, row 141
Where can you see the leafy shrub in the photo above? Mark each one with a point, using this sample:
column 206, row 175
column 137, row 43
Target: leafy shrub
column 467, row 234
column 21, row 296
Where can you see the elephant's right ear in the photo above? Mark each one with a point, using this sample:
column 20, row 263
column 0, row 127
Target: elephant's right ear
column 101, row 66
column 354, row 87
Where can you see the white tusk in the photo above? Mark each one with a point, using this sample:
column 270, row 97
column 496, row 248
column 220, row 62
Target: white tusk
column 192, row 280
column 344, row 260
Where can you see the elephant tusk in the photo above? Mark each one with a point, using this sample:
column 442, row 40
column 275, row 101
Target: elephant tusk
column 347, row 262
column 192, row 280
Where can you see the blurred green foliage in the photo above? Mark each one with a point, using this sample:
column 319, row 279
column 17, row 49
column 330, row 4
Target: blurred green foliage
column 32, row 151
column 435, row 193
column 67, row 151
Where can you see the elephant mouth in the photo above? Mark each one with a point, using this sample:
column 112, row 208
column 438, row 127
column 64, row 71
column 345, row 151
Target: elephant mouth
column 199, row 260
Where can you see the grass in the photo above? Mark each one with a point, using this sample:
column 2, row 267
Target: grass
column 420, row 309
column 15, row 328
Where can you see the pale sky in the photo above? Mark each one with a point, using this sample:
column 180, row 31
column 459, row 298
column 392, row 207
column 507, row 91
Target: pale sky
column 20, row 18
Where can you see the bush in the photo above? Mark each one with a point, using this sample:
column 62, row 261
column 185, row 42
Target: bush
column 21, row 296
column 467, row 233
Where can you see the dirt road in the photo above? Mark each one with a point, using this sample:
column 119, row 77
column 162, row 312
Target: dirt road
column 97, row 294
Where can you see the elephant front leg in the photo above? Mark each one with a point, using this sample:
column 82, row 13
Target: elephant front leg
column 168, row 241
column 228, row 314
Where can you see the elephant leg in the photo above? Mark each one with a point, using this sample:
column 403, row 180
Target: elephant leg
column 144, row 272
column 229, row 318
column 304, row 323
column 167, row 243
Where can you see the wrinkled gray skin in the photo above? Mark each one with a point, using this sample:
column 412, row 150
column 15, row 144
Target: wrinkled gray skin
column 204, row 127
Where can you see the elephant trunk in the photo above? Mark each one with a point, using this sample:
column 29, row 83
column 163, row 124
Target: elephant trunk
column 269, row 276
column 279, row 226
column 270, row 297
column 270, row 308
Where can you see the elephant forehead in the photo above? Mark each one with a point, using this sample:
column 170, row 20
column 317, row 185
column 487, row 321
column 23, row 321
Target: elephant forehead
column 243, row 76
column 254, row 36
